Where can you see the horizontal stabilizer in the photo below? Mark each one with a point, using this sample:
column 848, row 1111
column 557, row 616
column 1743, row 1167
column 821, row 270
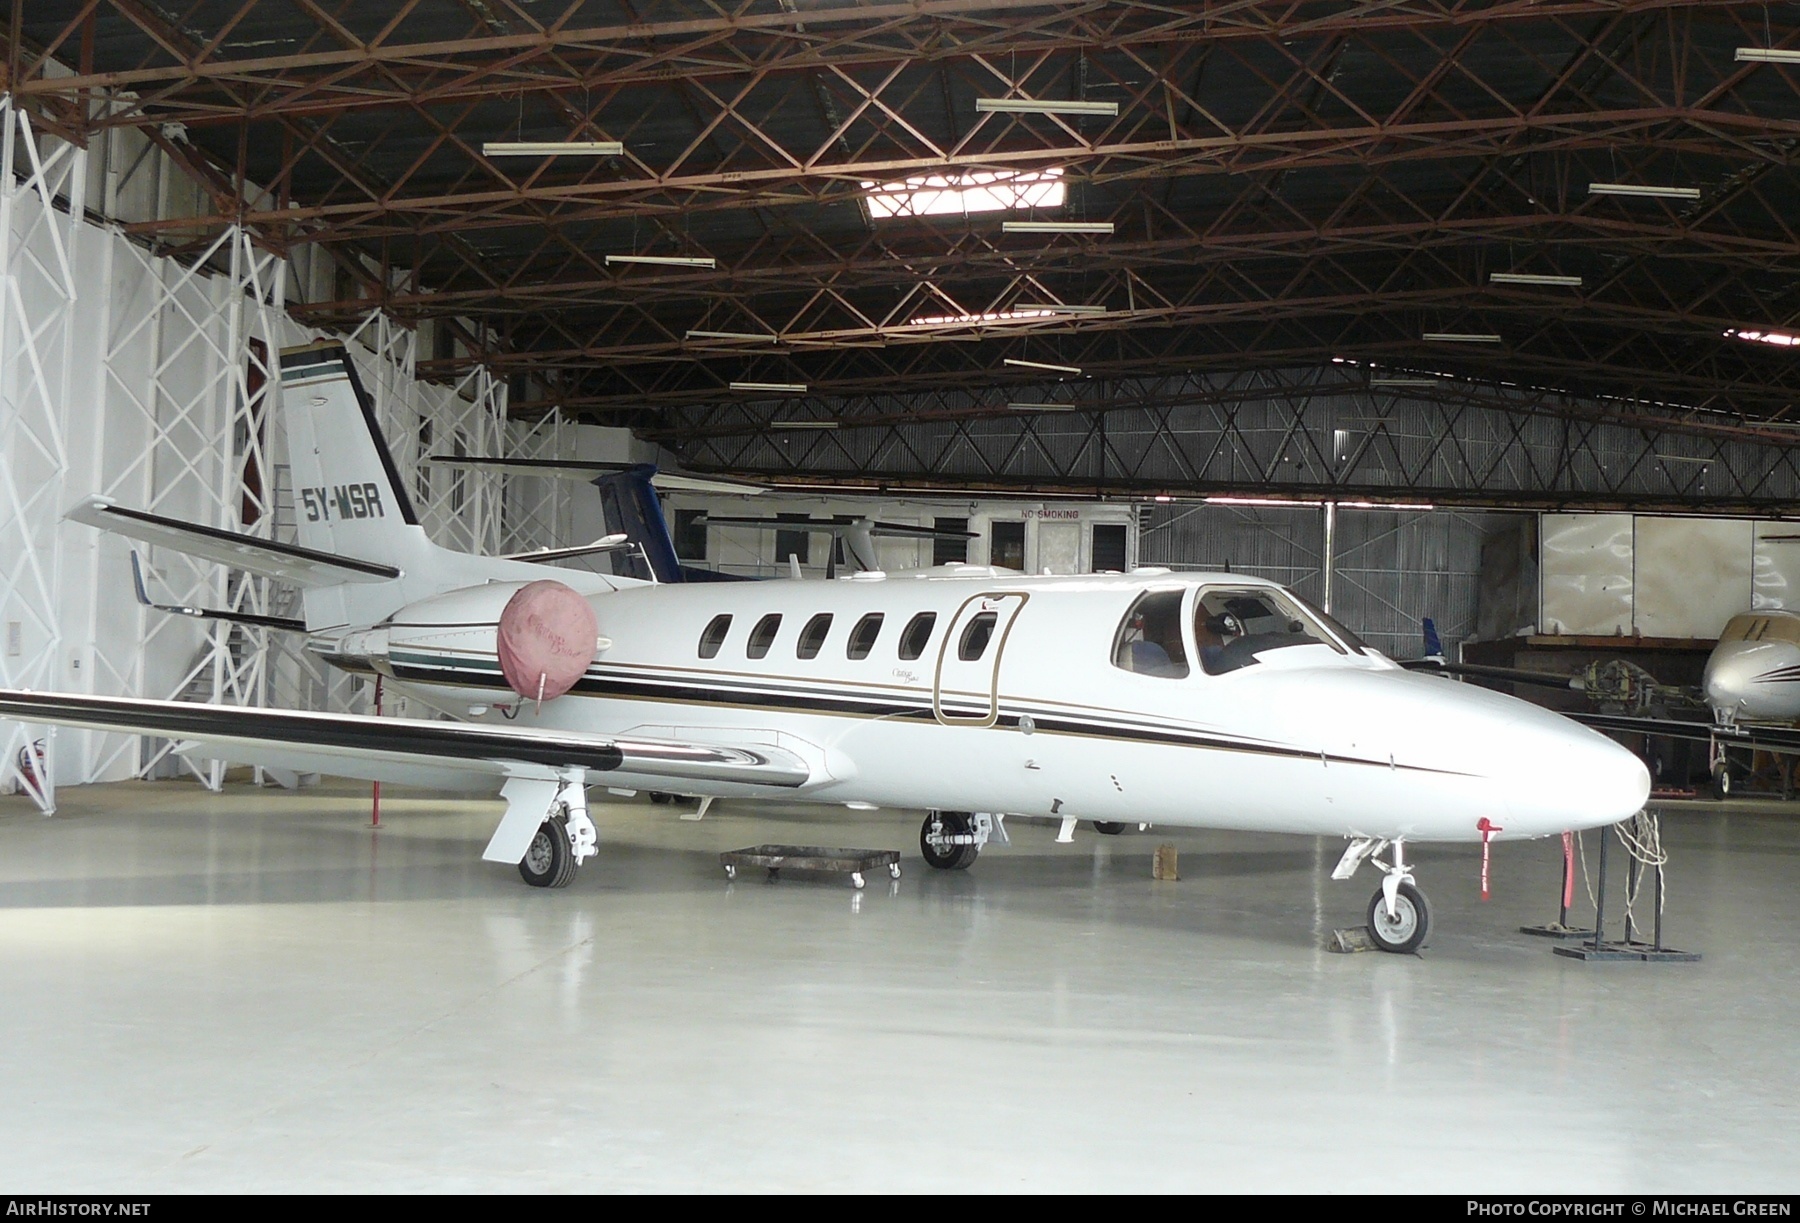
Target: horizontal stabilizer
column 287, row 623
column 840, row 525
column 1516, row 675
column 283, row 562
column 543, row 556
column 359, row 746
column 579, row 469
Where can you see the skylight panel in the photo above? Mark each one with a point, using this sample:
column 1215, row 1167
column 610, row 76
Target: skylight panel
column 970, row 192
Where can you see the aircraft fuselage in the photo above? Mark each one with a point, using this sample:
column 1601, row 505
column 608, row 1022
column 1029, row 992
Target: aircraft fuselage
column 1108, row 698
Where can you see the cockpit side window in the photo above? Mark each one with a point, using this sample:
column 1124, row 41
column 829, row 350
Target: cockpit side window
column 1149, row 638
column 1232, row 627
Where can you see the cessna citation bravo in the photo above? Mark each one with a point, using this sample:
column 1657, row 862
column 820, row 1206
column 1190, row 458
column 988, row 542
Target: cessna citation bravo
column 1199, row 700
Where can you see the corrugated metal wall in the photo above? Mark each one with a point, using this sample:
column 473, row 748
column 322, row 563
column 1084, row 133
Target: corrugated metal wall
column 1393, row 568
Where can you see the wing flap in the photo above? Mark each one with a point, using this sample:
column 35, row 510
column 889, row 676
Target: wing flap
column 284, row 562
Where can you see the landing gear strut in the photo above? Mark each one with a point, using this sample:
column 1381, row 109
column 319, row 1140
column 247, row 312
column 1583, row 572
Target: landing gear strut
column 1399, row 917
column 952, row 840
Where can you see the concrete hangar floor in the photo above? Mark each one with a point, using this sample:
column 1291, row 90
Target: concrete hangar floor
column 253, row 991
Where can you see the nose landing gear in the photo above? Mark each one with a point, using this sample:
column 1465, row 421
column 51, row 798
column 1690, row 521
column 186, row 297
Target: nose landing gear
column 1399, row 917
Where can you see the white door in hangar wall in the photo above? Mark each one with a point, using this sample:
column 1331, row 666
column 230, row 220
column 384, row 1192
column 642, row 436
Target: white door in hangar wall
column 1059, row 547
column 966, row 685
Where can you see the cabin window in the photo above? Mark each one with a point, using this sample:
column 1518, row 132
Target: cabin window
column 714, row 636
column 763, row 635
column 1149, row 638
column 862, row 637
column 813, row 635
column 1233, row 627
column 918, row 632
column 975, row 638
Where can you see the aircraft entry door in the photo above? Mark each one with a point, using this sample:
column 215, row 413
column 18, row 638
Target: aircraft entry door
column 966, row 689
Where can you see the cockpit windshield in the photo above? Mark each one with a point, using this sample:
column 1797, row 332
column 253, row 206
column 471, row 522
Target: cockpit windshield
column 1762, row 627
column 1233, row 627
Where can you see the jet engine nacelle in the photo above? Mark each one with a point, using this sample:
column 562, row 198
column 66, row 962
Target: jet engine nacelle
column 541, row 636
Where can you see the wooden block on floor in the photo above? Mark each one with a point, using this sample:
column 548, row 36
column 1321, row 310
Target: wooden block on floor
column 1163, row 866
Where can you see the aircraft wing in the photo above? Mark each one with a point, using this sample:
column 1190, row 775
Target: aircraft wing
column 1769, row 738
column 283, row 562
column 420, row 752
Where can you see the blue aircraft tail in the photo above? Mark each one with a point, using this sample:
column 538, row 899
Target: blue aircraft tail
column 1434, row 647
column 632, row 508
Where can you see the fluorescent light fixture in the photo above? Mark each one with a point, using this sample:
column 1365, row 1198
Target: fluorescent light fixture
column 552, row 148
column 1285, row 503
column 1642, row 191
column 780, row 388
column 1265, row 501
column 803, row 424
column 1403, row 382
column 1055, row 369
column 1019, row 315
column 1766, row 55
column 733, row 335
column 1682, row 458
column 1040, row 407
column 667, row 261
column 1056, row 227
column 926, row 195
column 1055, row 308
column 1532, row 278
column 1461, row 337
column 1780, row 339
column 1043, row 106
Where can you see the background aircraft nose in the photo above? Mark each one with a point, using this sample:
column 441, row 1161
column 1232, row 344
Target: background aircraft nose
column 1730, row 677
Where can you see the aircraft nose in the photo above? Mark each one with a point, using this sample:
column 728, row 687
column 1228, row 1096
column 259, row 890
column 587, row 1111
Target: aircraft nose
column 1729, row 676
column 1584, row 780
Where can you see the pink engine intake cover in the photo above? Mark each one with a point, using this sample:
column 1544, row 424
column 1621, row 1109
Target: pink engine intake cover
column 546, row 639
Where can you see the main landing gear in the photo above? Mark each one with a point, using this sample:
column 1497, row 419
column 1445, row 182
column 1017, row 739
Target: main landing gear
column 952, row 840
column 1399, row 917
column 565, row 840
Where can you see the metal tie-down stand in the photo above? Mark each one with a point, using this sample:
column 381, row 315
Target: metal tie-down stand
column 1597, row 948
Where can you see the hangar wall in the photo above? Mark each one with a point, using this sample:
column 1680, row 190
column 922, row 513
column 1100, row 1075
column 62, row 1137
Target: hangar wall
column 147, row 379
column 1391, row 569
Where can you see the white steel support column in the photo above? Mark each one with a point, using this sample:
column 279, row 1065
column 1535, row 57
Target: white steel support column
column 539, row 509
column 187, row 404
column 39, row 346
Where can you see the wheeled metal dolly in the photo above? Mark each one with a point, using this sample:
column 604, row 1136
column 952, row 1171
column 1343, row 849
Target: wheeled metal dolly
column 775, row 858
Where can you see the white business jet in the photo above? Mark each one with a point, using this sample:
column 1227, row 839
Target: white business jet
column 1200, row 700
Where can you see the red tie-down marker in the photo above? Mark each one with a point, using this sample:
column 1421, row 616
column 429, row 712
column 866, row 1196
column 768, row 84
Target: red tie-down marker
column 1487, row 828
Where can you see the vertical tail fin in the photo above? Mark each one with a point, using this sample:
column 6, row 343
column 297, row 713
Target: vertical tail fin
column 633, row 509
column 1434, row 647
column 348, row 494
